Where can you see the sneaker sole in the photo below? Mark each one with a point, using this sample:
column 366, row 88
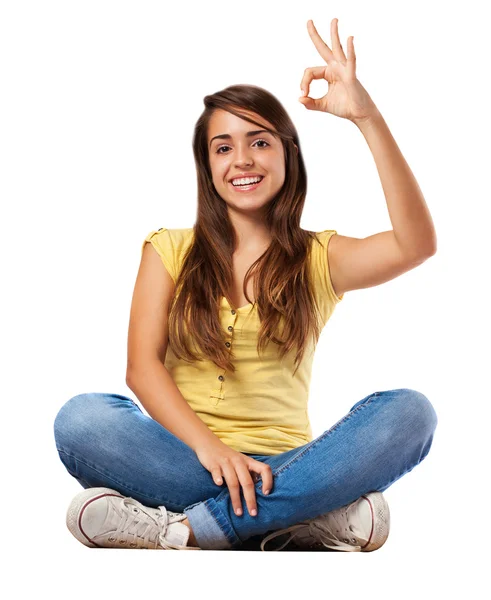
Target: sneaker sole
column 381, row 521
column 76, row 508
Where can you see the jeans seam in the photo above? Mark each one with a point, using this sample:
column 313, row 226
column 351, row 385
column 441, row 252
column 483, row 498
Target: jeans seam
column 109, row 476
column 325, row 434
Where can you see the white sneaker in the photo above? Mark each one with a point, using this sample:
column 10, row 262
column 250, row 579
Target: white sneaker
column 362, row 526
column 103, row 518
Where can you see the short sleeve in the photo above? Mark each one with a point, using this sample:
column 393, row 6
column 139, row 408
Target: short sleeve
column 322, row 273
column 162, row 242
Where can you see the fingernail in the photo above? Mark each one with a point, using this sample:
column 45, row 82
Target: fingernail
column 266, row 492
column 253, row 512
column 238, row 511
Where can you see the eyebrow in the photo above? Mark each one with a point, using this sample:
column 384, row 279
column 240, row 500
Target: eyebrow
column 226, row 136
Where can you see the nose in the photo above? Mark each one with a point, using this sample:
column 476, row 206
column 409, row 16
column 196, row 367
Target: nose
column 243, row 156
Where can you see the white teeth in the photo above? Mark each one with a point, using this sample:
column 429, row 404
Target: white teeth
column 246, row 180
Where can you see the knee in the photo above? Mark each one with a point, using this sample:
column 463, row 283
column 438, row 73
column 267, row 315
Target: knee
column 415, row 413
column 75, row 418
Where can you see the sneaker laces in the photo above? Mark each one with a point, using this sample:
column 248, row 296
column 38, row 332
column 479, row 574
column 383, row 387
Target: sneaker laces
column 146, row 527
column 320, row 531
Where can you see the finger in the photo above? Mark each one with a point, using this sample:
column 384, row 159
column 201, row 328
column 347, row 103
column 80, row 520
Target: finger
column 309, row 74
column 351, row 57
column 336, row 42
column 247, row 487
column 267, row 478
column 319, row 43
column 216, row 474
column 233, row 486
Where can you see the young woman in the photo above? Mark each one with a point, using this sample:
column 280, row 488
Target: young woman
column 224, row 321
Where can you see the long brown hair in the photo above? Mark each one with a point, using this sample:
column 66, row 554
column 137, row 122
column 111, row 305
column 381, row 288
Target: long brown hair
column 285, row 294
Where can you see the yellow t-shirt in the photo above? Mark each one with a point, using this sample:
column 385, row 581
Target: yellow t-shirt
column 261, row 408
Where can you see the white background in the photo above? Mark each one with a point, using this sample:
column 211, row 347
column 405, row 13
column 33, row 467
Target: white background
column 98, row 105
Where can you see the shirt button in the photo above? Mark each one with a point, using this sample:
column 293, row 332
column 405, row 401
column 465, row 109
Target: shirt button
column 221, row 377
column 230, row 328
column 227, row 344
column 233, row 312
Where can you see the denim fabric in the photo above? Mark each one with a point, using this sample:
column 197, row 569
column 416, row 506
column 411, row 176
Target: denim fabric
column 106, row 440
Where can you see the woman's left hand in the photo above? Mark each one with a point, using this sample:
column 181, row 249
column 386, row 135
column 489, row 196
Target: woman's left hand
column 346, row 97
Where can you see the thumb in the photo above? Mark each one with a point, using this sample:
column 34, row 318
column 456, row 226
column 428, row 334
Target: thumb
column 310, row 103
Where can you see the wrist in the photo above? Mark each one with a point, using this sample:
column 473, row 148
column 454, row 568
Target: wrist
column 370, row 120
column 208, row 442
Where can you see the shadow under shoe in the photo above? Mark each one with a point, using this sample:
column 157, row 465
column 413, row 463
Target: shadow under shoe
column 361, row 526
column 100, row 517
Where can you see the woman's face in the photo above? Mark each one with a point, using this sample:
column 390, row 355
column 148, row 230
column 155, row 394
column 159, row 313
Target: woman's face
column 242, row 154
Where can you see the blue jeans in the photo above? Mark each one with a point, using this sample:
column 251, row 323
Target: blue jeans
column 106, row 440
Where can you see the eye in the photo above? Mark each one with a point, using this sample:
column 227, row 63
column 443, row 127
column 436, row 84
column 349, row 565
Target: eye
column 221, row 147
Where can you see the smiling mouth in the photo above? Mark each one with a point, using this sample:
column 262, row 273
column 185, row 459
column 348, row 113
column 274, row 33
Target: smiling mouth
column 246, row 188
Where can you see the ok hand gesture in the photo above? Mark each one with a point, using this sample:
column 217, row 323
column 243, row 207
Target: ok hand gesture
column 346, row 97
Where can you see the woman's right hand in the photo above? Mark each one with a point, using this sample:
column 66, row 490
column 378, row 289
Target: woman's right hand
column 221, row 460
